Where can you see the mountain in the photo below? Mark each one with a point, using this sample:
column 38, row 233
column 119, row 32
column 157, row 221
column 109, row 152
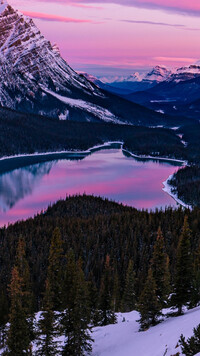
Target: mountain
column 35, row 78
column 144, row 81
column 178, row 94
column 158, row 74
column 135, row 82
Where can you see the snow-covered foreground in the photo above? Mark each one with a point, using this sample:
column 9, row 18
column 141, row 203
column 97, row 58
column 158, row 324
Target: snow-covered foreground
column 124, row 338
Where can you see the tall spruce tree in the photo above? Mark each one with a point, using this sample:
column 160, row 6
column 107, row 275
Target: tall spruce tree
column 183, row 281
column 24, row 272
column 55, row 269
column 76, row 317
column 47, row 328
column 149, row 306
column 129, row 297
column 18, row 342
column 195, row 296
column 160, row 269
column 105, row 305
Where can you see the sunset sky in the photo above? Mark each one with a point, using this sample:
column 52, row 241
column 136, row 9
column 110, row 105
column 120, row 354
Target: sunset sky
column 119, row 36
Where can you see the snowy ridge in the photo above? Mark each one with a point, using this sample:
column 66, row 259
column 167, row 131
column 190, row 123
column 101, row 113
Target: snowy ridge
column 29, row 63
column 158, row 74
column 96, row 110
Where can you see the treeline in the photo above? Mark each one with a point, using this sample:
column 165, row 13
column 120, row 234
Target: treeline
column 27, row 133
column 186, row 184
column 87, row 258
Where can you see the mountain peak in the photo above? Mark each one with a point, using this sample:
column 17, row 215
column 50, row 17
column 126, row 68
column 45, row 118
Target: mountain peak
column 3, row 5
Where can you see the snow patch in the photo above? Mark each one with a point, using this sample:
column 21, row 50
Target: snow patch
column 96, row 110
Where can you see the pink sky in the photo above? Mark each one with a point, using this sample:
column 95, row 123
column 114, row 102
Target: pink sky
column 116, row 36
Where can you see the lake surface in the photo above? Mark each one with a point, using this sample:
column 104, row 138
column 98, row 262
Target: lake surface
column 109, row 173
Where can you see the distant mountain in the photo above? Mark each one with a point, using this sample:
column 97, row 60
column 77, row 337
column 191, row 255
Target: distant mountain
column 144, row 81
column 177, row 95
column 35, row 78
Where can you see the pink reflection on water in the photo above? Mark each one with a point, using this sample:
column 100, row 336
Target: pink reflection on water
column 107, row 173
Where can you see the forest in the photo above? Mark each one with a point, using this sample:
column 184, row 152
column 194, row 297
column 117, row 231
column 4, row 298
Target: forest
column 186, row 184
column 84, row 259
column 28, row 133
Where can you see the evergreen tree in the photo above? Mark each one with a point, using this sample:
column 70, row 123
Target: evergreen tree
column 183, row 282
column 195, row 295
column 4, row 314
column 18, row 342
column 160, row 269
column 47, row 328
column 191, row 347
column 115, row 293
column 24, row 272
column 76, row 317
column 55, row 269
column 149, row 306
column 129, row 298
column 107, row 314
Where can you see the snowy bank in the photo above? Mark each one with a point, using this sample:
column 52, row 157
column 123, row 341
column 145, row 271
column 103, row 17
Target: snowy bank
column 124, row 338
column 169, row 190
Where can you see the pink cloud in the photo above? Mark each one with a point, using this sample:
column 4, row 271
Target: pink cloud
column 48, row 17
column 191, row 7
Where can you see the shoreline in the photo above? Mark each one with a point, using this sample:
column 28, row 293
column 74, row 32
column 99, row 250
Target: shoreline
column 183, row 162
column 82, row 154
column 168, row 189
column 72, row 152
column 90, row 150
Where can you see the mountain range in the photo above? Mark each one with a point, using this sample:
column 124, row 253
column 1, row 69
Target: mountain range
column 34, row 78
column 172, row 92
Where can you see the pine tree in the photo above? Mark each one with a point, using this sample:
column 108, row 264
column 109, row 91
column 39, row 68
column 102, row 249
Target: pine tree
column 76, row 317
column 24, row 272
column 4, row 314
column 183, row 282
column 149, row 306
column 192, row 345
column 129, row 298
column 115, row 293
column 195, row 295
column 160, row 269
column 18, row 342
column 107, row 314
column 55, row 269
column 47, row 329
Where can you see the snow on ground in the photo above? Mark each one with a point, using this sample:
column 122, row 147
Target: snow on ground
column 124, row 338
column 169, row 190
column 96, row 110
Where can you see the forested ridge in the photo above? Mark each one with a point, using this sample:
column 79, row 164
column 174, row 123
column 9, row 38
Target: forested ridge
column 28, row 133
column 186, row 184
column 121, row 259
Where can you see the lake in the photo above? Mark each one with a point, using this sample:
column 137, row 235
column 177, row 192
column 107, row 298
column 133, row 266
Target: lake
column 110, row 173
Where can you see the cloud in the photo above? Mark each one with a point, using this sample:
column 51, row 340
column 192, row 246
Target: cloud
column 154, row 23
column 48, row 17
column 175, row 59
column 190, row 7
column 161, row 24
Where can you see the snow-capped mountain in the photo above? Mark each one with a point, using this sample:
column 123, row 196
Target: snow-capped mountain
column 35, row 78
column 158, row 74
column 185, row 73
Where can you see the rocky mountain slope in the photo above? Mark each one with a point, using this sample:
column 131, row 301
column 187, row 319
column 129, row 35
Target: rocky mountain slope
column 35, row 78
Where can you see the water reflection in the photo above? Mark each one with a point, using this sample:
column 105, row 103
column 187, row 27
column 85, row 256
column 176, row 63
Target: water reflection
column 108, row 173
column 21, row 182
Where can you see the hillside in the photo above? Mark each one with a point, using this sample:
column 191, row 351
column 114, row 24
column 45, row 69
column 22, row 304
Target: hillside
column 124, row 338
